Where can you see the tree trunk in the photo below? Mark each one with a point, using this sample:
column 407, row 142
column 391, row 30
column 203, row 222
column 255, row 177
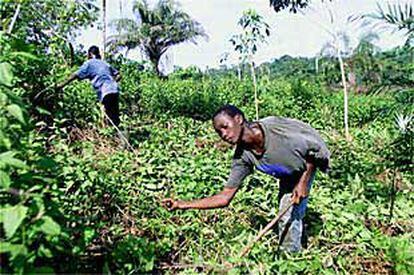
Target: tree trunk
column 121, row 9
column 104, row 28
column 13, row 21
column 71, row 54
column 155, row 60
column 341, row 64
column 154, row 55
column 317, row 65
column 392, row 196
column 256, row 100
column 103, row 53
column 239, row 72
column 157, row 71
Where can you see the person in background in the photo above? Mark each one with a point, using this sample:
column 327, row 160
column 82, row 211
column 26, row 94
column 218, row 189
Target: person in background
column 104, row 80
column 283, row 148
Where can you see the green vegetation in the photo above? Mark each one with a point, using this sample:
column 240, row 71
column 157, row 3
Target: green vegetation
column 73, row 201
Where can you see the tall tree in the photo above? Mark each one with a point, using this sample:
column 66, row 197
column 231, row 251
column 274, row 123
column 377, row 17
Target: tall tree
column 358, row 49
column 47, row 22
column 339, row 39
column 255, row 31
column 44, row 28
column 340, row 46
column 155, row 30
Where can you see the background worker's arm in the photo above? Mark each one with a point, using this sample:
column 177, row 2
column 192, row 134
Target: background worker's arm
column 118, row 77
column 67, row 81
column 301, row 189
column 219, row 200
column 115, row 74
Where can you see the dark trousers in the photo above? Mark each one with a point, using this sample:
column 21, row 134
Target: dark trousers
column 111, row 104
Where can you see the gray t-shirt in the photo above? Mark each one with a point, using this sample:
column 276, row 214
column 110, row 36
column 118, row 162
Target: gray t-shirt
column 101, row 75
column 288, row 144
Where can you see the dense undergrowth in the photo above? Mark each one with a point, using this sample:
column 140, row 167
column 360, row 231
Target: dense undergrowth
column 73, row 200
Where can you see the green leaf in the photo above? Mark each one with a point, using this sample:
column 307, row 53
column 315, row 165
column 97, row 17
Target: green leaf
column 3, row 98
column 12, row 217
column 24, row 55
column 89, row 234
column 13, row 249
column 7, row 247
column 47, row 163
column 50, row 227
column 6, row 75
column 43, row 111
column 16, row 112
column 8, row 159
column 4, row 180
column 42, row 270
column 44, row 252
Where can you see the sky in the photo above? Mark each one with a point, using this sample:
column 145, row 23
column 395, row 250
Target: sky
column 291, row 34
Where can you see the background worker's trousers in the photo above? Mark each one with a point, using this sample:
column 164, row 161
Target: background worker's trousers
column 291, row 224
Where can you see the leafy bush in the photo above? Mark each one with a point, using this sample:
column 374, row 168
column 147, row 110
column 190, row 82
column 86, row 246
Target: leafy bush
column 30, row 217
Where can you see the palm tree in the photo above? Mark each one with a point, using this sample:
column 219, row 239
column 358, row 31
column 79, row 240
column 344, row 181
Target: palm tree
column 397, row 17
column 154, row 30
column 342, row 46
column 358, row 55
column 339, row 47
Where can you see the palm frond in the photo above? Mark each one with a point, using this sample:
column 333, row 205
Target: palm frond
column 328, row 50
column 403, row 122
column 398, row 16
column 141, row 9
column 124, row 25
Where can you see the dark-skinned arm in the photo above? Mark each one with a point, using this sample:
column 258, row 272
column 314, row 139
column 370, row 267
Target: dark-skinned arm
column 301, row 189
column 118, row 77
column 67, row 81
column 115, row 74
column 219, row 200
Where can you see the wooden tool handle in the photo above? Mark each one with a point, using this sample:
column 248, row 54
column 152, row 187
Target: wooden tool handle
column 247, row 248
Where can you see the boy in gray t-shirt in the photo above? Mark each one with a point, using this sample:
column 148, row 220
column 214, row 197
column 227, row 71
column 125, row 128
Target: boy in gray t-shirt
column 284, row 148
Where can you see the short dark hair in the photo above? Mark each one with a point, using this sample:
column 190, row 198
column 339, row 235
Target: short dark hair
column 94, row 50
column 229, row 110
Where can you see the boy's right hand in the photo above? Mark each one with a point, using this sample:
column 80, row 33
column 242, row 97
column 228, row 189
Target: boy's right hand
column 170, row 204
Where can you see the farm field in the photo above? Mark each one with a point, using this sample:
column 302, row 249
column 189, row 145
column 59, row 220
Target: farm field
column 76, row 198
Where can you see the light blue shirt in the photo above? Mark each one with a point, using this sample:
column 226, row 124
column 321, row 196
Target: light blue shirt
column 101, row 74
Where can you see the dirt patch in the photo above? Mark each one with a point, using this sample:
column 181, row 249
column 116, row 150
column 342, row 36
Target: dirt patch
column 102, row 145
column 390, row 229
column 375, row 265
